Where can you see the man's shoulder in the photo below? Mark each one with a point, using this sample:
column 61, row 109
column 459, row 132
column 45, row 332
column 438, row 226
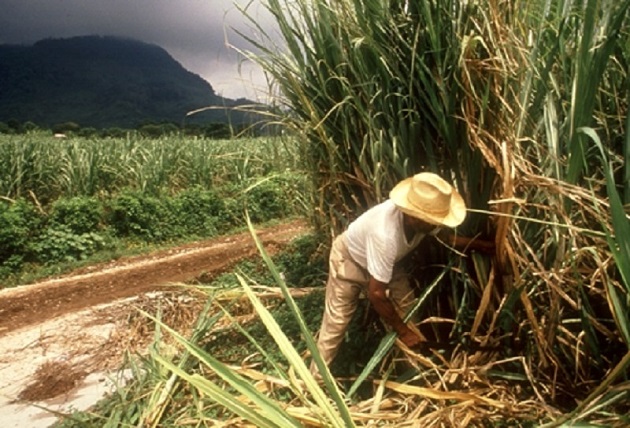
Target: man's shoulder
column 383, row 220
column 385, row 209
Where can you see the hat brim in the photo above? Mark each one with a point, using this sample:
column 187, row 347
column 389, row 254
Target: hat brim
column 455, row 216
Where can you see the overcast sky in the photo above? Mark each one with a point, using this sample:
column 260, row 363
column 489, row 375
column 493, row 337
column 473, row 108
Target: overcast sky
column 195, row 32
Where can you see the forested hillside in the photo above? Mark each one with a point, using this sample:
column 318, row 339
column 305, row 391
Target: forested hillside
column 103, row 82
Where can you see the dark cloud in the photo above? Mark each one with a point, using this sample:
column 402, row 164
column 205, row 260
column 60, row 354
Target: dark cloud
column 194, row 32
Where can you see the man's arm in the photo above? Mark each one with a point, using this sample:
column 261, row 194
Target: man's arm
column 384, row 307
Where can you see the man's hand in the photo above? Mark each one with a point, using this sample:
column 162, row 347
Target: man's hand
column 410, row 338
column 484, row 246
column 384, row 307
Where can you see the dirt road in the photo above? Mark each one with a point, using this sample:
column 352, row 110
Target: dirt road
column 62, row 339
column 33, row 304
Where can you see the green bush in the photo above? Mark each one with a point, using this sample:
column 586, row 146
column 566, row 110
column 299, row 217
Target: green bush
column 267, row 200
column 78, row 227
column 88, row 132
column 60, row 244
column 65, row 128
column 134, row 214
column 303, row 263
column 192, row 212
column 198, row 212
column 231, row 216
column 19, row 223
column 29, row 126
column 151, row 130
column 11, row 265
column 114, row 133
column 80, row 214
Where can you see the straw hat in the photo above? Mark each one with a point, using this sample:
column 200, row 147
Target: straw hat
column 428, row 197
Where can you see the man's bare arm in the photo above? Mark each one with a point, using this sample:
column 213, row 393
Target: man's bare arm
column 384, row 307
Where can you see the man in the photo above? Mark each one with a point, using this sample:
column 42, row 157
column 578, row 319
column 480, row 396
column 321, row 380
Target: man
column 364, row 257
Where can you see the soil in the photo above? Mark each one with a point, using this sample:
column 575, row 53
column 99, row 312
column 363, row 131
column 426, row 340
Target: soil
column 57, row 333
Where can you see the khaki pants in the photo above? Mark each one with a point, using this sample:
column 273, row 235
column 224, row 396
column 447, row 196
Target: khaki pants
column 346, row 281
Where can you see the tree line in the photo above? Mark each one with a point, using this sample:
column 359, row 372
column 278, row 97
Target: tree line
column 149, row 129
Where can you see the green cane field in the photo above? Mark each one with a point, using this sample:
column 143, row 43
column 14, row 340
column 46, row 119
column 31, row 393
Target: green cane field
column 67, row 202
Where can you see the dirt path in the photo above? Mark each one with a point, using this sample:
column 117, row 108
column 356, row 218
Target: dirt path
column 33, row 304
column 62, row 340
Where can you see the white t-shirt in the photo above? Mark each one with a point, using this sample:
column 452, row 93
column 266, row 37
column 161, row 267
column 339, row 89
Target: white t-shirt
column 376, row 240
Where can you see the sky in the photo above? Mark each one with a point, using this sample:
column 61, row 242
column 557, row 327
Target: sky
column 197, row 33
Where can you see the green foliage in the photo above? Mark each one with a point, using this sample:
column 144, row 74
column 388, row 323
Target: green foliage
column 200, row 212
column 19, row 224
column 135, row 214
column 79, row 215
column 326, row 396
column 214, row 130
column 274, row 197
column 29, row 126
column 54, row 168
column 155, row 130
column 491, row 96
column 88, row 132
column 304, row 263
column 619, row 297
column 66, row 128
column 240, row 346
column 78, row 227
column 114, row 132
column 373, row 87
column 61, row 244
column 362, row 339
column 192, row 212
column 14, row 125
column 302, row 266
column 266, row 200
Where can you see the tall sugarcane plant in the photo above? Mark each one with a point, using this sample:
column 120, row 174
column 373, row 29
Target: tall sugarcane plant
column 562, row 74
column 373, row 89
column 495, row 97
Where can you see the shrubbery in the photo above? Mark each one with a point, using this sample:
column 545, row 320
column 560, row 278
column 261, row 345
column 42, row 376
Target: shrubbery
column 60, row 244
column 79, row 214
column 192, row 212
column 135, row 214
column 266, row 200
column 20, row 222
column 304, row 263
column 200, row 212
column 73, row 229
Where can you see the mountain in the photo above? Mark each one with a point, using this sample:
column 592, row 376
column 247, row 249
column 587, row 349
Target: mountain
column 104, row 82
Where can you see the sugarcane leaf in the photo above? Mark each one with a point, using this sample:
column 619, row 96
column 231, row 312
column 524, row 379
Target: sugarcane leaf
column 269, row 406
column 618, row 242
column 287, row 348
